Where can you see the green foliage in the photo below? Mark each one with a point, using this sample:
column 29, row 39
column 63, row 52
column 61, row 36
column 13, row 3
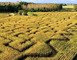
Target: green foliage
column 31, row 7
column 31, row 14
column 23, row 3
column 22, row 12
column 11, row 14
column 15, row 7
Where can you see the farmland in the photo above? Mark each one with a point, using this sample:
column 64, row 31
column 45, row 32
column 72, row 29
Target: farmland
column 47, row 36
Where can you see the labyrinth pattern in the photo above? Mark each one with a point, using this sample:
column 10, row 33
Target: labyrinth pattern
column 47, row 36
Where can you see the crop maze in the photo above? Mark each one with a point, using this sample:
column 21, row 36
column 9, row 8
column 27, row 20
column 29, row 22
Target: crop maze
column 23, row 39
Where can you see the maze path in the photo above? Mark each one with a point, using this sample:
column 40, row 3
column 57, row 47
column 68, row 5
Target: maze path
column 21, row 46
column 6, row 51
column 44, row 51
column 0, row 52
column 62, row 39
column 35, row 54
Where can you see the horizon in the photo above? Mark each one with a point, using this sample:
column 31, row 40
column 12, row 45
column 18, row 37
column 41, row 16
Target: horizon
column 45, row 1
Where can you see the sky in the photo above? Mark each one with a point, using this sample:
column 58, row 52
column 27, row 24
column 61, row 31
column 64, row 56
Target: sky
column 44, row 1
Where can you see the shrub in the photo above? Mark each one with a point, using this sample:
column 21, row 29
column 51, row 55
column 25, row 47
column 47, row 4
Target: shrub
column 11, row 14
column 31, row 14
column 22, row 12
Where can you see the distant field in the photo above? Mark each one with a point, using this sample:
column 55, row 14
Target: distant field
column 68, row 6
column 47, row 36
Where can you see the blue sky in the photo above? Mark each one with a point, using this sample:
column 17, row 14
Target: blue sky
column 43, row 1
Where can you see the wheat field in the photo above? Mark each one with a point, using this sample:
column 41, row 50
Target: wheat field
column 47, row 36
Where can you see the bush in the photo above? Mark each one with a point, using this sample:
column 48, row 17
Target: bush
column 11, row 14
column 22, row 12
column 25, row 12
column 31, row 14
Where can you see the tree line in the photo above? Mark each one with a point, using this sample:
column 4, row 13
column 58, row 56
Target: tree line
column 11, row 7
column 31, row 7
